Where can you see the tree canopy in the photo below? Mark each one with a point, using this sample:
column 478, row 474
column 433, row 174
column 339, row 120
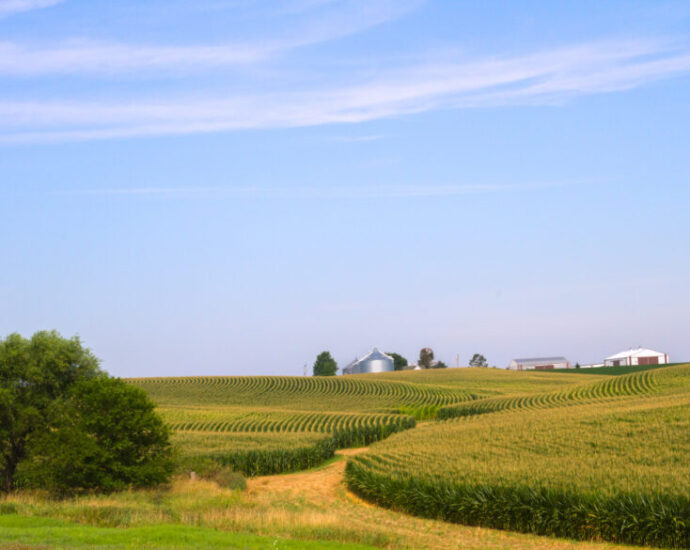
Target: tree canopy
column 104, row 436
column 325, row 365
column 34, row 373
column 65, row 425
column 478, row 360
column 399, row 362
column 426, row 358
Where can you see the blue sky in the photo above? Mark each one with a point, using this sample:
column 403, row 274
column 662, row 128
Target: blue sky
column 230, row 187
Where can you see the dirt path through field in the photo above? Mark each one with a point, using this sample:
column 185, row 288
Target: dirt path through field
column 319, row 485
column 323, row 489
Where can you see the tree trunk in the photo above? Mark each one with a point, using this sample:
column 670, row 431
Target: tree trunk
column 11, row 460
column 8, row 477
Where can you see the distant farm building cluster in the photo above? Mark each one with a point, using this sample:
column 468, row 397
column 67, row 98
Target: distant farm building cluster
column 377, row 361
column 628, row 358
column 374, row 361
column 639, row 356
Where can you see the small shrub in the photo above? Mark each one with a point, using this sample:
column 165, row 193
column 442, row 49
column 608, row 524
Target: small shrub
column 228, row 479
column 7, row 508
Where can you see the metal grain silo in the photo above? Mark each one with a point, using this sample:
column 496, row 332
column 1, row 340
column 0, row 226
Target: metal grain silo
column 374, row 361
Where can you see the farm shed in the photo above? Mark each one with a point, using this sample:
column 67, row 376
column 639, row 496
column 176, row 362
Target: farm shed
column 639, row 356
column 539, row 363
column 374, row 361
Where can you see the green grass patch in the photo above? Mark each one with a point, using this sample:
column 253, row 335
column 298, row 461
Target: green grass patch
column 420, row 412
column 612, row 371
column 58, row 534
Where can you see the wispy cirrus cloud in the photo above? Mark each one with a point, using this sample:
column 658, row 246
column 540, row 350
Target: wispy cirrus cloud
column 84, row 57
column 387, row 191
column 545, row 77
column 358, row 139
column 88, row 57
column 8, row 7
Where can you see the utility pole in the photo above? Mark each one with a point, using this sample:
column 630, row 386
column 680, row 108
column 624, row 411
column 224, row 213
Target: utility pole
column 457, row 359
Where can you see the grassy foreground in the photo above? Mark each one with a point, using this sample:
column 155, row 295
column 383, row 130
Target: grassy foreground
column 58, row 534
column 303, row 510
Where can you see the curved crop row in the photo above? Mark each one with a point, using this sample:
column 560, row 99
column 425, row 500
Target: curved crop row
column 295, row 422
column 640, row 383
column 258, row 461
column 265, row 461
column 306, row 391
column 345, row 430
column 340, row 431
column 659, row 520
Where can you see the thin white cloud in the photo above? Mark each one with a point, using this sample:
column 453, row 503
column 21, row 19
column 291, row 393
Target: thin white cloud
column 85, row 56
column 8, row 7
column 88, row 57
column 358, row 139
column 321, row 192
column 540, row 78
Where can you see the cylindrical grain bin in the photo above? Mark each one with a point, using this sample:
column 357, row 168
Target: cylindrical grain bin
column 374, row 361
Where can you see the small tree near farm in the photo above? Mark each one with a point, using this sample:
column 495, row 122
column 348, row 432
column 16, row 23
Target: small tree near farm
column 478, row 360
column 325, row 365
column 426, row 358
column 399, row 362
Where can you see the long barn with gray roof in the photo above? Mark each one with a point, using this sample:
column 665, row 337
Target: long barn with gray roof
column 540, row 363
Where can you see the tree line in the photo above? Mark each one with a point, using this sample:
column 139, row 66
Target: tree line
column 325, row 365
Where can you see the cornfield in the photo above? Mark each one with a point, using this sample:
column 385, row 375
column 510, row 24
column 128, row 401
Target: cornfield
column 276, row 442
column 643, row 383
column 339, row 393
column 605, row 460
column 587, row 457
column 217, row 413
column 253, row 454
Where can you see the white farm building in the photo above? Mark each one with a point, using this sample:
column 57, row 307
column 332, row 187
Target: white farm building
column 539, row 363
column 639, row 356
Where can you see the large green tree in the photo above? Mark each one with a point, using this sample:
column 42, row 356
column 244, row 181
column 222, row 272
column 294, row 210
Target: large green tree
column 399, row 362
column 104, row 436
column 325, row 365
column 34, row 373
column 68, row 427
